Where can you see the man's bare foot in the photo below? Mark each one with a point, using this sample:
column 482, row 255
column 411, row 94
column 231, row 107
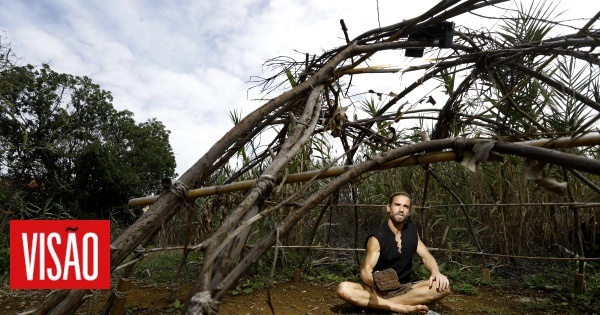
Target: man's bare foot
column 408, row 309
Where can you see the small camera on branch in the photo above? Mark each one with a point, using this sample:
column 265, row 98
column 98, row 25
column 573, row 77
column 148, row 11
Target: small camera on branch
column 443, row 32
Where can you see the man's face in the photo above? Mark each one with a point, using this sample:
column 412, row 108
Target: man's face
column 399, row 210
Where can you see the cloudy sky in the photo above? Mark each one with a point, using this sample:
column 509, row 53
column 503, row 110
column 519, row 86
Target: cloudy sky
column 188, row 63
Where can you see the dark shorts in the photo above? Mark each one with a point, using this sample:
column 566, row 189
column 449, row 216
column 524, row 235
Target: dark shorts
column 405, row 287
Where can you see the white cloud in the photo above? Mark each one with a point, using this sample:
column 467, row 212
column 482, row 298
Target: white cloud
column 187, row 63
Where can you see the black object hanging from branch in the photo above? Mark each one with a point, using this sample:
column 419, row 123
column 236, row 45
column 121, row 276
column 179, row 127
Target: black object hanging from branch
column 443, row 32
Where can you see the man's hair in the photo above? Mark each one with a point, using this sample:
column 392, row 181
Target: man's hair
column 405, row 194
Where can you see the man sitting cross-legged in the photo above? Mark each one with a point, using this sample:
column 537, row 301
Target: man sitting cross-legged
column 393, row 246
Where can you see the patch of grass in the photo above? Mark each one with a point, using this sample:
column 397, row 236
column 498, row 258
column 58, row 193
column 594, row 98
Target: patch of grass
column 535, row 281
column 160, row 268
column 343, row 269
column 486, row 310
column 249, row 285
column 536, row 305
column 451, row 300
column 586, row 302
column 324, row 275
column 555, row 282
column 456, row 273
column 464, row 288
column 336, row 272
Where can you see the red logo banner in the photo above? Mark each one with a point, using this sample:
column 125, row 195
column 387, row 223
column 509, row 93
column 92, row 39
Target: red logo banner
column 60, row 254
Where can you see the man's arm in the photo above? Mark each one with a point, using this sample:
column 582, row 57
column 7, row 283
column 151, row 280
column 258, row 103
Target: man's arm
column 373, row 251
column 429, row 261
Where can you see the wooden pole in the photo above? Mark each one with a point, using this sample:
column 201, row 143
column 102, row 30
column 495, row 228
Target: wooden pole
column 120, row 305
column 579, row 283
column 558, row 143
column 297, row 177
column 487, row 276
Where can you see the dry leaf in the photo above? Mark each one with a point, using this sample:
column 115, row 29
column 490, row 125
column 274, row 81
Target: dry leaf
column 469, row 161
column 552, row 185
column 482, row 150
column 399, row 112
column 481, row 153
column 337, row 121
column 534, row 171
column 431, row 100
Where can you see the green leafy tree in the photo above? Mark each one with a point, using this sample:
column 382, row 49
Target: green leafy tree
column 66, row 149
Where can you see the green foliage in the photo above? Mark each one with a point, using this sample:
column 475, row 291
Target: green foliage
column 177, row 304
column 536, row 305
column 448, row 79
column 420, row 272
column 159, row 268
column 587, row 302
column 565, row 113
column 536, row 281
column 464, row 288
column 553, row 285
column 529, row 24
column 249, row 285
column 370, row 107
column 336, row 272
column 68, row 149
column 486, row 310
column 290, row 77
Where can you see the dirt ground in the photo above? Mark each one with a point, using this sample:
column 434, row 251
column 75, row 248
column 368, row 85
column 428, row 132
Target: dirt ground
column 293, row 298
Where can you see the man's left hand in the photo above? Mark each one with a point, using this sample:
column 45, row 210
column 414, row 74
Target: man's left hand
column 441, row 282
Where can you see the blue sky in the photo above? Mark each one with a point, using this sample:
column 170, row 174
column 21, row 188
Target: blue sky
column 188, row 63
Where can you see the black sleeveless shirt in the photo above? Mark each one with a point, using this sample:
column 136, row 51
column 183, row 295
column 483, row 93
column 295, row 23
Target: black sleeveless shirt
column 389, row 257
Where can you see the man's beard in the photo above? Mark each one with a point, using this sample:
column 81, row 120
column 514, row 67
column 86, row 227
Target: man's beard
column 396, row 219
